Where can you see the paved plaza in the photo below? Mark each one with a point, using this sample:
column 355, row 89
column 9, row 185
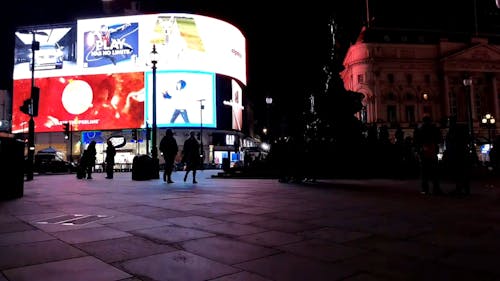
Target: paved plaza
column 246, row 229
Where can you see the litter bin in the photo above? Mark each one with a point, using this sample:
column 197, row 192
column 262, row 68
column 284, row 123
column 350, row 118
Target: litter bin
column 11, row 168
column 142, row 168
column 225, row 164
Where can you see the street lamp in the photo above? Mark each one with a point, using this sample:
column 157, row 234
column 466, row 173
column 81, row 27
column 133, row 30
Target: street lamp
column 269, row 102
column 488, row 121
column 201, row 131
column 154, row 151
column 33, row 103
column 468, row 96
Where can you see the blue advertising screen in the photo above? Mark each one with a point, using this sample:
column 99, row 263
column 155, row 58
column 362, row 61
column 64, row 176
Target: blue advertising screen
column 96, row 136
column 111, row 44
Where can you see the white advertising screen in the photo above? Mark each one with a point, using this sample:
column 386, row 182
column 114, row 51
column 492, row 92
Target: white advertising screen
column 183, row 99
column 183, row 42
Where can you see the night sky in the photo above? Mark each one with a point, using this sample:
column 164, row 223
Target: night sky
column 287, row 42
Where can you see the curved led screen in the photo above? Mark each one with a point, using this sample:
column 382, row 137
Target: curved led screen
column 96, row 73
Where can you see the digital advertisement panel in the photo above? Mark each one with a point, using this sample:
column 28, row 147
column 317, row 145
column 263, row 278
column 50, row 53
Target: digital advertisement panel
column 111, row 44
column 87, row 102
column 182, row 41
column 96, row 74
column 236, row 104
column 180, row 96
column 54, row 56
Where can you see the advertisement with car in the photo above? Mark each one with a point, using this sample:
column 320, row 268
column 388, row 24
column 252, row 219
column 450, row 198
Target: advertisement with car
column 96, row 74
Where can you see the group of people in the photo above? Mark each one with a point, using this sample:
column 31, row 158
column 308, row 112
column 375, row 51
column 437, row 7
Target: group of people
column 190, row 155
column 168, row 147
column 87, row 161
column 457, row 156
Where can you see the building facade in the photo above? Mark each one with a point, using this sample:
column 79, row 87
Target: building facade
column 408, row 74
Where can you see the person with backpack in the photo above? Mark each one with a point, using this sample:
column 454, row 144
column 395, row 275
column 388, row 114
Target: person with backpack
column 427, row 139
column 458, row 157
column 87, row 161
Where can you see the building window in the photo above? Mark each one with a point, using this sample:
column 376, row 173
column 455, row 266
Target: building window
column 391, row 113
column 409, row 96
column 364, row 114
column 230, row 139
column 409, row 78
column 477, row 105
column 390, row 78
column 425, row 96
column 391, row 96
column 410, row 114
column 428, row 111
column 453, row 104
column 427, row 78
column 360, row 78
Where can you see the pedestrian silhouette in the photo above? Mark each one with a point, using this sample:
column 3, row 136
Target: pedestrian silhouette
column 457, row 157
column 191, row 155
column 427, row 139
column 88, row 159
column 110, row 159
column 169, row 149
column 495, row 157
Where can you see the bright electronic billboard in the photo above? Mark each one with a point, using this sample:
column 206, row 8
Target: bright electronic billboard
column 96, row 74
column 179, row 98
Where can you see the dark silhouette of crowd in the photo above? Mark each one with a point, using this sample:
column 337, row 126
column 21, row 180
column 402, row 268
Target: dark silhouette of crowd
column 432, row 152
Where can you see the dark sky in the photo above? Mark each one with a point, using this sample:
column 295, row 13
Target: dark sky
column 287, row 42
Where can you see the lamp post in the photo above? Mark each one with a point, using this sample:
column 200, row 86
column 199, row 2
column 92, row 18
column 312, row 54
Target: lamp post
column 488, row 121
column 154, row 150
column 33, row 111
column 269, row 102
column 201, row 131
column 468, row 97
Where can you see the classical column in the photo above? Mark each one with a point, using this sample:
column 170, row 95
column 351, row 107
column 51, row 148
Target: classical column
column 473, row 102
column 495, row 93
column 447, row 106
column 377, row 103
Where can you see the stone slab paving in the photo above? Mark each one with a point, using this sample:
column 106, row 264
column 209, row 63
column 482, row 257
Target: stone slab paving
column 247, row 229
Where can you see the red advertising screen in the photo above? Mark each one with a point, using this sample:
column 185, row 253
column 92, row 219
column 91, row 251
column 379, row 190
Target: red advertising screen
column 87, row 102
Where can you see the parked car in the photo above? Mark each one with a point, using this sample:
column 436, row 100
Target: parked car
column 52, row 161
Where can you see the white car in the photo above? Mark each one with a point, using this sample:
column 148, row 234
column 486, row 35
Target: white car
column 49, row 56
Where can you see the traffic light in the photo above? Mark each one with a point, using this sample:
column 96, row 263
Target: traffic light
column 66, row 130
column 35, row 96
column 134, row 134
column 25, row 108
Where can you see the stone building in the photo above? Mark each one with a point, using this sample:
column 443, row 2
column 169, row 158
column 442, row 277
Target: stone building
column 408, row 74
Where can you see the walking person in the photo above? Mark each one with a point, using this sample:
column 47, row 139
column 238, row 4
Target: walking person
column 110, row 159
column 495, row 157
column 169, row 149
column 427, row 139
column 88, row 159
column 191, row 155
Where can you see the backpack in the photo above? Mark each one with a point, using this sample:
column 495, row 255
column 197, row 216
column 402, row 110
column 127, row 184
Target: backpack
column 429, row 150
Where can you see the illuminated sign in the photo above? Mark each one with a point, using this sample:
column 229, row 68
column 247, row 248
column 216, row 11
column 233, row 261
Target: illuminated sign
column 96, row 73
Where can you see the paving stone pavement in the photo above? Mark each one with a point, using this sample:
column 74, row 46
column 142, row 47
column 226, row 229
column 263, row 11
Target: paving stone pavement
column 246, row 229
